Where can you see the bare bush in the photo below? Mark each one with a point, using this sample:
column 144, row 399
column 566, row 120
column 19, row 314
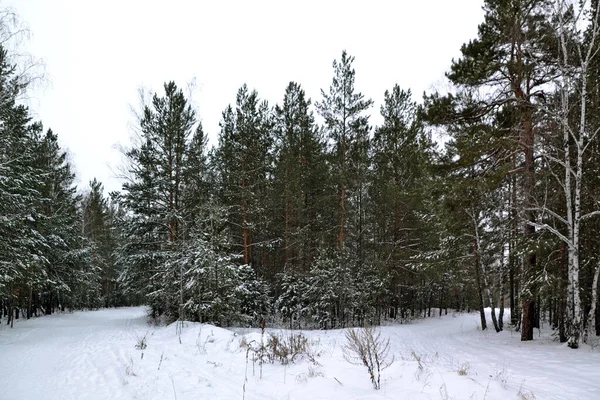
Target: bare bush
column 365, row 346
column 287, row 349
column 141, row 342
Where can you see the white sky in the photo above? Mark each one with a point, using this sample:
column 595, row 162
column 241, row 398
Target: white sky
column 98, row 53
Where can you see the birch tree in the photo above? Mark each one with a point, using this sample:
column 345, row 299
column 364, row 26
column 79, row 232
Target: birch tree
column 577, row 32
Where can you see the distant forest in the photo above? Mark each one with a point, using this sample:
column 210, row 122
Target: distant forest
column 333, row 223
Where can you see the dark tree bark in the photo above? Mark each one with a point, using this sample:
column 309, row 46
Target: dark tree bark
column 479, row 286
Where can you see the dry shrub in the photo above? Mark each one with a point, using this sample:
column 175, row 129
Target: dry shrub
column 287, row 349
column 141, row 342
column 365, row 346
column 464, row 369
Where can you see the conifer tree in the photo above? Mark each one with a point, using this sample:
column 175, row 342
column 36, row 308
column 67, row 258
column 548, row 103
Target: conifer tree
column 401, row 164
column 299, row 181
column 98, row 225
column 22, row 261
column 243, row 161
column 154, row 197
column 198, row 185
column 347, row 130
column 73, row 279
column 503, row 71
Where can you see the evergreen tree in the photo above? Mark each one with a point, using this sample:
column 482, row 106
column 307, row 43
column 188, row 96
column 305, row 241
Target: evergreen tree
column 401, row 164
column 243, row 160
column 43, row 258
column 99, row 229
column 154, row 197
column 22, row 261
column 292, row 302
column 504, row 71
column 347, row 130
column 299, row 181
column 72, row 279
column 198, row 185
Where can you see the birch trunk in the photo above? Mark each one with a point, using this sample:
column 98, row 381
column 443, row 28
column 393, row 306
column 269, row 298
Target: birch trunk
column 590, row 330
column 484, row 279
column 568, row 34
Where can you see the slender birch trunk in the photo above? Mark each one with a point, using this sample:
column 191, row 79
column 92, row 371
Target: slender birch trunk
column 484, row 280
column 590, row 329
column 572, row 190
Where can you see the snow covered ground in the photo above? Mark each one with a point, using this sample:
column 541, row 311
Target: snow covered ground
column 93, row 355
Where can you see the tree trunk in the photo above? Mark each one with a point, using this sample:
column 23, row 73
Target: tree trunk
column 513, row 266
column 286, row 240
column 488, row 291
column 342, row 217
column 511, row 283
column 245, row 232
column 528, row 319
column 29, row 306
column 342, row 233
column 36, row 304
column 562, row 329
column 50, row 306
column 479, row 288
column 9, row 313
column 501, row 313
column 590, row 330
column 172, row 220
column 527, row 289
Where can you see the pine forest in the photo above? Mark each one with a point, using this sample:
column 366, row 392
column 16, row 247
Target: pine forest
column 306, row 215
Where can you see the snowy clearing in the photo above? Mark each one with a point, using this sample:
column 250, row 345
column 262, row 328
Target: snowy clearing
column 93, row 355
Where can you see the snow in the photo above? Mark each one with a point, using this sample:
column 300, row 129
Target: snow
column 93, row 355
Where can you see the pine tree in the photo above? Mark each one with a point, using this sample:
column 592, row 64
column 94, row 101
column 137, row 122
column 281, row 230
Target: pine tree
column 198, row 185
column 43, row 258
column 298, row 181
column 72, row 279
column 243, row 160
column 347, row 129
column 98, row 228
column 401, row 164
column 292, row 302
column 154, row 197
column 22, row 261
column 504, row 70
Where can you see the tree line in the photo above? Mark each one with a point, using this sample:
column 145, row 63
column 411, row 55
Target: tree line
column 306, row 214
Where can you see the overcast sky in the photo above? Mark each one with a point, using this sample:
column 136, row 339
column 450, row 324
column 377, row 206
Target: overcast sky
column 98, row 53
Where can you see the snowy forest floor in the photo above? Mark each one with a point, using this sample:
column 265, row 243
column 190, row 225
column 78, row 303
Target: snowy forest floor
column 93, row 355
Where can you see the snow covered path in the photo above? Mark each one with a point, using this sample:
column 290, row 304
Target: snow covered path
column 92, row 355
column 69, row 356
